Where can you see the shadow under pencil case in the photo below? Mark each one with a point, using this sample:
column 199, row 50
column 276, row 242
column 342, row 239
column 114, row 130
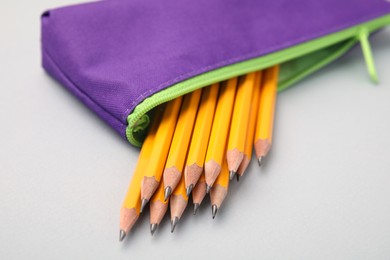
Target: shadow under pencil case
column 122, row 58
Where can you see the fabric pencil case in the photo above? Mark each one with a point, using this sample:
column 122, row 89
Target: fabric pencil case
column 122, row 58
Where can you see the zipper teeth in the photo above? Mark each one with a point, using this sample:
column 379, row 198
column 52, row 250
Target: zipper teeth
column 244, row 67
column 217, row 76
column 202, row 81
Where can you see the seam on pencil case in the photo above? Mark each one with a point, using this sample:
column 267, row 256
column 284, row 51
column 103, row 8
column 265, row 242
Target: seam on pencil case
column 263, row 52
column 80, row 90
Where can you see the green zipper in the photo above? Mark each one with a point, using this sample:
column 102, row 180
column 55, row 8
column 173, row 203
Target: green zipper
column 337, row 43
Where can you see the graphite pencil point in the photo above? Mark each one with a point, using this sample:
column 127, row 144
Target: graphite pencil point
column 174, row 223
column 189, row 189
column 143, row 204
column 232, row 174
column 214, row 210
column 167, row 193
column 208, row 188
column 260, row 160
column 122, row 235
column 196, row 207
column 153, row 228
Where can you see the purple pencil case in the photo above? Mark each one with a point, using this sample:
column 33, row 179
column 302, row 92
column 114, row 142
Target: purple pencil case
column 122, row 58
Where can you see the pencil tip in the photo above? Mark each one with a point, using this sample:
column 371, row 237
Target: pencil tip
column 260, row 160
column 167, row 192
column 153, row 228
column 232, row 174
column 122, row 235
column 174, row 223
column 208, row 189
column 189, row 189
column 238, row 177
column 196, row 207
column 143, row 204
column 214, row 210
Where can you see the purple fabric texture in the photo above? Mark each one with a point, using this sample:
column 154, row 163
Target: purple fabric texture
column 114, row 54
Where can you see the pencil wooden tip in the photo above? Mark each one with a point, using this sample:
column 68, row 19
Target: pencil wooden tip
column 153, row 228
column 211, row 169
column 218, row 195
column 128, row 217
column 199, row 192
column 122, row 235
column 243, row 166
column 158, row 209
column 234, row 158
column 178, row 204
column 148, row 187
column 192, row 174
column 167, row 193
column 214, row 210
column 262, row 147
column 171, row 177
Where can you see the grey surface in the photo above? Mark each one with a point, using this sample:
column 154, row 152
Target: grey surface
column 323, row 192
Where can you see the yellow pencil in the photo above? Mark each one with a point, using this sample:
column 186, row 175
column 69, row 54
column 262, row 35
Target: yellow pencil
column 200, row 137
column 179, row 201
column 239, row 124
column 251, row 126
column 219, row 131
column 131, row 206
column 220, row 189
column 154, row 168
column 181, row 139
column 265, row 116
column 158, row 208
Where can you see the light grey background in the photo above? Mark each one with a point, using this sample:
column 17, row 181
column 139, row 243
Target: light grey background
column 322, row 194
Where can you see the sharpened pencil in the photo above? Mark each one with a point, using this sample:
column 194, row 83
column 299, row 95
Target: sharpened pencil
column 265, row 116
column 199, row 192
column 181, row 140
column 220, row 189
column 132, row 204
column 154, row 168
column 179, row 201
column 158, row 208
column 240, row 121
column 200, row 137
column 219, row 132
column 251, row 126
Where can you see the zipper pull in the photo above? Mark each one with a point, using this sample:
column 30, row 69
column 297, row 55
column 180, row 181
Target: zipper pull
column 141, row 124
column 367, row 53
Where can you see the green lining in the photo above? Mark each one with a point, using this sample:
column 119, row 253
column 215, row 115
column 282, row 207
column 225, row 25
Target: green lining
column 318, row 53
column 297, row 69
column 367, row 53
